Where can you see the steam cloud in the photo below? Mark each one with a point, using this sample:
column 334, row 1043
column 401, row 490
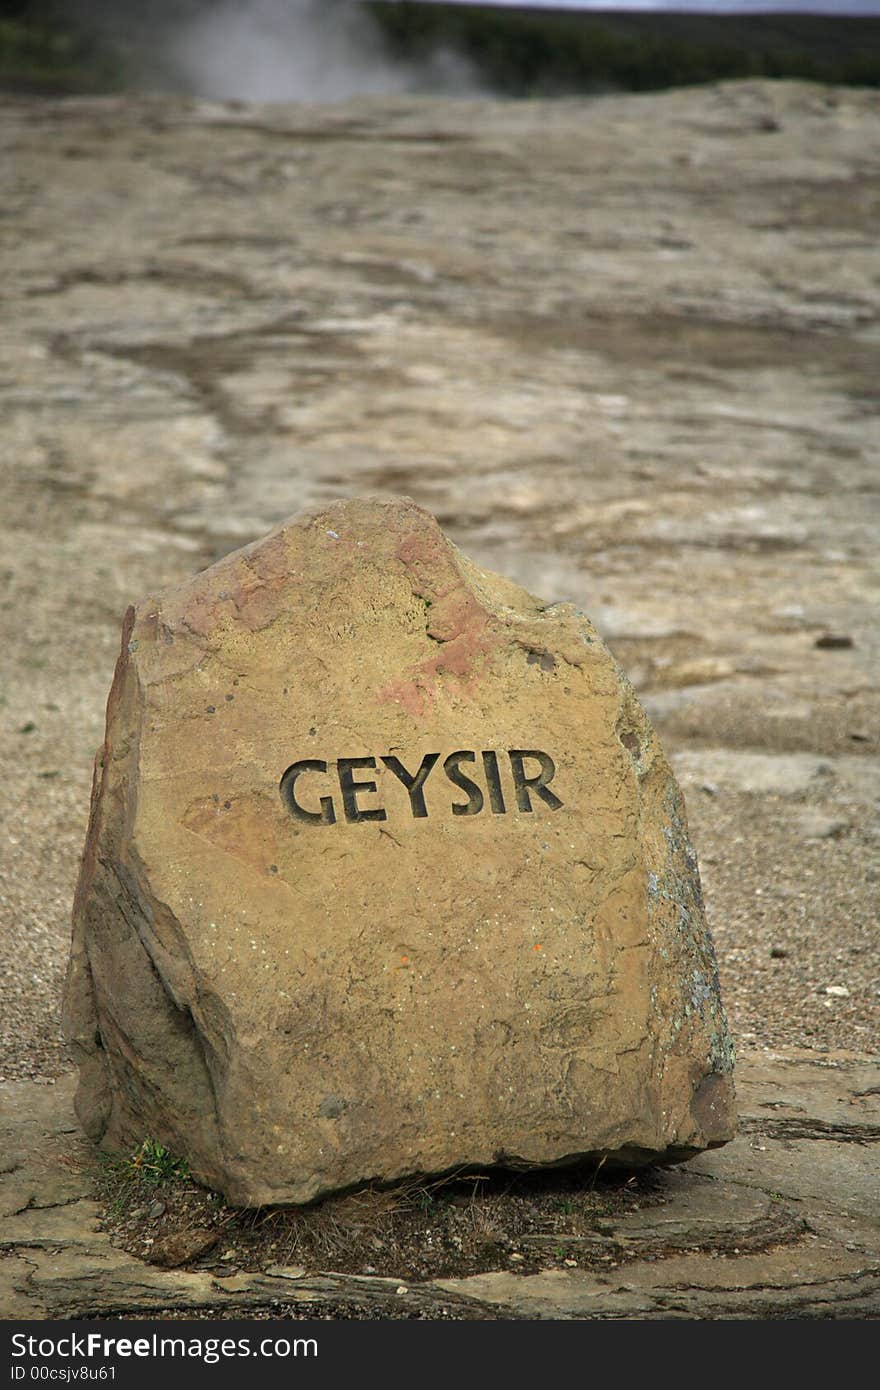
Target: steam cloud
column 297, row 50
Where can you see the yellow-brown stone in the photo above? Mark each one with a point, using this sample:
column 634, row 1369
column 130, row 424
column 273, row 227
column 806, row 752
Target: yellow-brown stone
column 386, row 874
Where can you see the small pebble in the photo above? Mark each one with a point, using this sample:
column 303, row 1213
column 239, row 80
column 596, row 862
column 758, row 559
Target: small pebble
column 839, row 991
column 157, row 1209
column 778, row 953
column 814, row 826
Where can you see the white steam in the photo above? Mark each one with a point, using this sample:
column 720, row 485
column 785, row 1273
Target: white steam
column 299, row 50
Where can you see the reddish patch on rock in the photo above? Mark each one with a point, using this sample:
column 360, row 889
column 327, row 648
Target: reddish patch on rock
column 250, row 591
column 461, row 625
column 455, row 619
column 428, row 560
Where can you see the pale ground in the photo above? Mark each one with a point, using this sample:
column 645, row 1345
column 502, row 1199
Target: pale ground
column 626, row 349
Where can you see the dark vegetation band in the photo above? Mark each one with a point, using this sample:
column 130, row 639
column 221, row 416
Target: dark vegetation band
column 544, row 52
column 73, row 46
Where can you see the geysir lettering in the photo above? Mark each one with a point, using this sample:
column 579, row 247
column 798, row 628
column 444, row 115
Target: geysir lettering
column 306, row 786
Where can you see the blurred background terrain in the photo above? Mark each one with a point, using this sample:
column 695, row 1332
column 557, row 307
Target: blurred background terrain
column 624, row 343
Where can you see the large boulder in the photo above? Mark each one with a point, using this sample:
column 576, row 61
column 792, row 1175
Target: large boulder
column 386, row 874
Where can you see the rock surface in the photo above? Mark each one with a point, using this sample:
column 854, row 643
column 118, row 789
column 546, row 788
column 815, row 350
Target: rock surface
column 782, row 1222
column 386, row 874
column 626, row 349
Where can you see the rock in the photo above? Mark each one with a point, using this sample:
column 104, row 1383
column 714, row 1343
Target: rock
column 386, row 874
column 775, row 774
column 181, row 1247
column 755, row 773
column 812, row 825
column 834, row 641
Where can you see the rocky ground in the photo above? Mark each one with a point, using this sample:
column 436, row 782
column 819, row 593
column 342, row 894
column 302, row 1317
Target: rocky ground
column 627, row 350
column 782, row 1223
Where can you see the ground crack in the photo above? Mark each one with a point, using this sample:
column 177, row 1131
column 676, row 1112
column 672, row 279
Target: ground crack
column 794, row 1128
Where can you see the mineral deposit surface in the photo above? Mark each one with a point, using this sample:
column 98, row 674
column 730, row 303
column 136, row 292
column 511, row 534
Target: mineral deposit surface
column 626, row 349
